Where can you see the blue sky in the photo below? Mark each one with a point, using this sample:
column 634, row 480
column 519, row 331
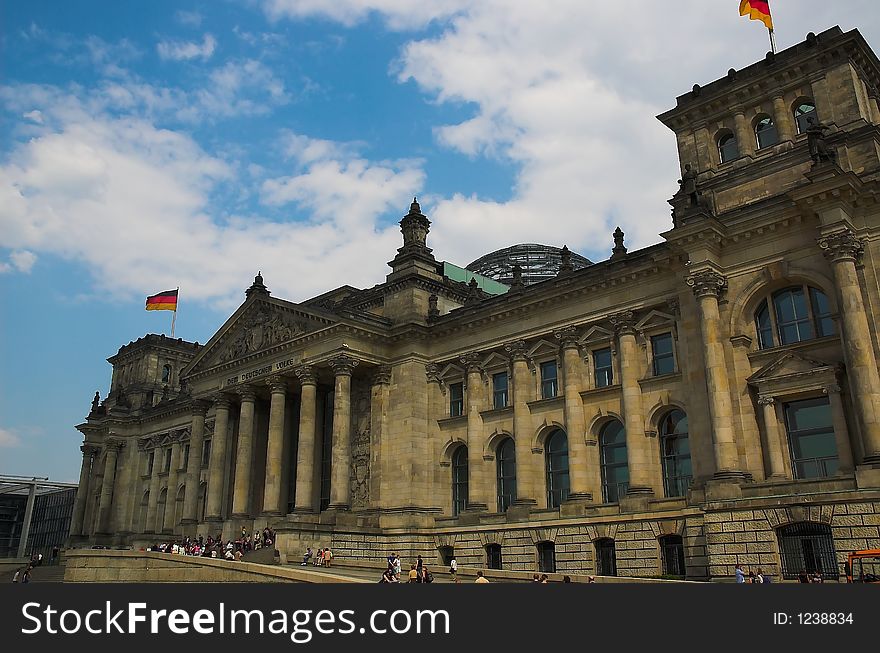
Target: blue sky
column 149, row 145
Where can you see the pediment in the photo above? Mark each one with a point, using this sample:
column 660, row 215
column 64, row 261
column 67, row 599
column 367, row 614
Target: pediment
column 495, row 360
column 596, row 334
column 258, row 324
column 451, row 371
column 542, row 348
column 655, row 319
column 790, row 364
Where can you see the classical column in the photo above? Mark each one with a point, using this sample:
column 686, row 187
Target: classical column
column 194, row 462
column 783, row 119
column 479, row 481
column 217, row 463
column 638, row 451
column 169, row 523
column 843, row 250
column 379, row 432
column 304, row 500
column 841, row 433
column 153, row 504
column 527, row 478
column 112, row 448
column 241, row 492
column 340, row 470
column 773, row 436
column 707, row 285
column 275, row 447
column 82, row 491
column 745, row 137
column 575, row 426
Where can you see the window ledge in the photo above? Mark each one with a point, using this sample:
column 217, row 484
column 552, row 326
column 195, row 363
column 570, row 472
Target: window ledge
column 663, row 378
column 550, row 402
column 497, row 412
column 772, row 352
column 592, row 392
column 452, row 422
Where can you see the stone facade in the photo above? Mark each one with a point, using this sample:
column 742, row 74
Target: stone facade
column 710, row 400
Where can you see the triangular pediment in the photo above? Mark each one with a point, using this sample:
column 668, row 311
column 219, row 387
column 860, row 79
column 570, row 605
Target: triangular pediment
column 596, row 334
column 260, row 323
column 451, row 371
column 790, row 364
column 655, row 319
column 542, row 348
column 495, row 360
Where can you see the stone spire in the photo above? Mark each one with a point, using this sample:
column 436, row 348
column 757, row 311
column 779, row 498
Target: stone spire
column 619, row 250
column 415, row 227
column 257, row 287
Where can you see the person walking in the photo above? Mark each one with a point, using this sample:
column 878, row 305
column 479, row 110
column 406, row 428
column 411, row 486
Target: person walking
column 453, row 570
column 397, row 566
column 328, row 557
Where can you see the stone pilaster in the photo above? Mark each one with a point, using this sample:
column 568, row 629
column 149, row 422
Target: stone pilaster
column 580, row 467
column 773, row 437
column 641, row 466
column 241, row 493
column 82, row 491
column 306, row 463
column 112, row 448
column 783, row 119
column 275, row 447
column 340, row 470
column 169, row 523
column 843, row 250
column 378, row 432
column 194, row 463
column 123, row 494
column 479, row 483
column 841, row 432
column 707, row 285
column 217, row 463
column 745, row 137
column 527, row 473
column 152, row 525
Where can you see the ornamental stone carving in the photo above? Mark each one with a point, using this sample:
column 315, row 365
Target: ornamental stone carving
column 432, row 372
column 382, row 376
column 516, row 350
column 343, row 365
column 623, row 323
column 843, row 246
column 567, row 337
column 306, row 374
column 766, row 400
column 706, row 283
column 277, row 384
column 260, row 329
column 471, row 361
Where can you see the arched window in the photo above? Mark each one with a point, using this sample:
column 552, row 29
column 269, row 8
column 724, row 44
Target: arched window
column 793, row 314
column 808, row 548
column 728, row 148
column 557, row 468
column 676, row 453
column 606, row 557
column 672, row 555
column 765, row 132
column 166, row 374
column 615, row 470
column 811, row 439
column 493, row 556
column 506, row 459
column 459, row 480
column 803, row 111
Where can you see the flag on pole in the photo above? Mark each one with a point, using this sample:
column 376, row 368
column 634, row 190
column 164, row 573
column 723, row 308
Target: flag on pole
column 163, row 301
column 757, row 10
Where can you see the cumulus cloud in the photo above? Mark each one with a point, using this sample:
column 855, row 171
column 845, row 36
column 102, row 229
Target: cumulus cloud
column 8, row 438
column 189, row 18
column 186, row 50
column 398, row 14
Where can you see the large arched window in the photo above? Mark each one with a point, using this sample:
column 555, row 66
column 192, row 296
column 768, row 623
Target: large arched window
column 804, row 110
column 728, row 148
column 459, row 480
column 506, row 458
column 606, row 557
column 792, row 315
column 807, row 547
column 676, row 453
column 557, row 468
column 615, row 470
column 765, row 132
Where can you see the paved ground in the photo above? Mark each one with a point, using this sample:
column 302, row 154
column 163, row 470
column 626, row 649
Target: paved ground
column 372, row 574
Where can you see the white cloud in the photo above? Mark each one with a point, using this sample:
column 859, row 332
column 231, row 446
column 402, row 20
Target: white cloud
column 186, row 50
column 399, row 14
column 189, row 18
column 8, row 438
column 34, row 116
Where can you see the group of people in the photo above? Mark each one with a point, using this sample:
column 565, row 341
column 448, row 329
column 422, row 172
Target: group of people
column 750, row 576
column 323, row 558
column 218, row 548
column 418, row 571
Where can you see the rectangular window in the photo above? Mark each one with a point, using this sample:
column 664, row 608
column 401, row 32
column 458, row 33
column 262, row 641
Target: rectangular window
column 150, row 462
column 206, row 453
column 811, row 438
column 456, row 399
column 185, row 457
column 602, row 367
column 499, row 390
column 664, row 359
column 167, row 460
column 549, row 383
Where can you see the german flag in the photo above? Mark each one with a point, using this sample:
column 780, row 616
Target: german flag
column 163, row 301
column 757, row 10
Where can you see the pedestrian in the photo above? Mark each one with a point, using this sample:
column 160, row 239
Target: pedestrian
column 328, row 557
column 397, row 566
column 544, row 579
column 591, row 579
column 566, row 579
column 413, row 574
column 481, row 578
column 319, row 558
column 740, row 575
column 802, row 577
column 536, row 578
column 453, row 570
column 759, row 577
column 26, row 576
column 427, row 576
column 306, row 556
column 16, row 576
column 419, row 564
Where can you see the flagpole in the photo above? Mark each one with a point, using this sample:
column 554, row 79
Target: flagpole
column 772, row 41
column 174, row 316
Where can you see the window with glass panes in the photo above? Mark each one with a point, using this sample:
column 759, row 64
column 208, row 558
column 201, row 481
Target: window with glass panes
column 499, row 390
column 793, row 315
column 206, row 453
column 602, row 368
column 606, row 557
column 549, row 382
column 459, row 480
column 558, row 482
column 150, row 462
column 168, row 460
column 728, row 149
column 185, row 457
column 811, row 438
column 664, row 358
column 456, row 399
column 765, row 132
column 804, row 111
column 493, row 556
column 506, row 464
column 672, row 554
column 614, row 464
column 676, row 453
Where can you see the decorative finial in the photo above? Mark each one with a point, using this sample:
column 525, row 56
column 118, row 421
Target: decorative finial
column 517, row 277
column 565, row 264
column 414, row 208
column 415, row 226
column 619, row 250
column 257, row 287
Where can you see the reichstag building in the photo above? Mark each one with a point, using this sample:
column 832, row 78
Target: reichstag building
column 710, row 400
